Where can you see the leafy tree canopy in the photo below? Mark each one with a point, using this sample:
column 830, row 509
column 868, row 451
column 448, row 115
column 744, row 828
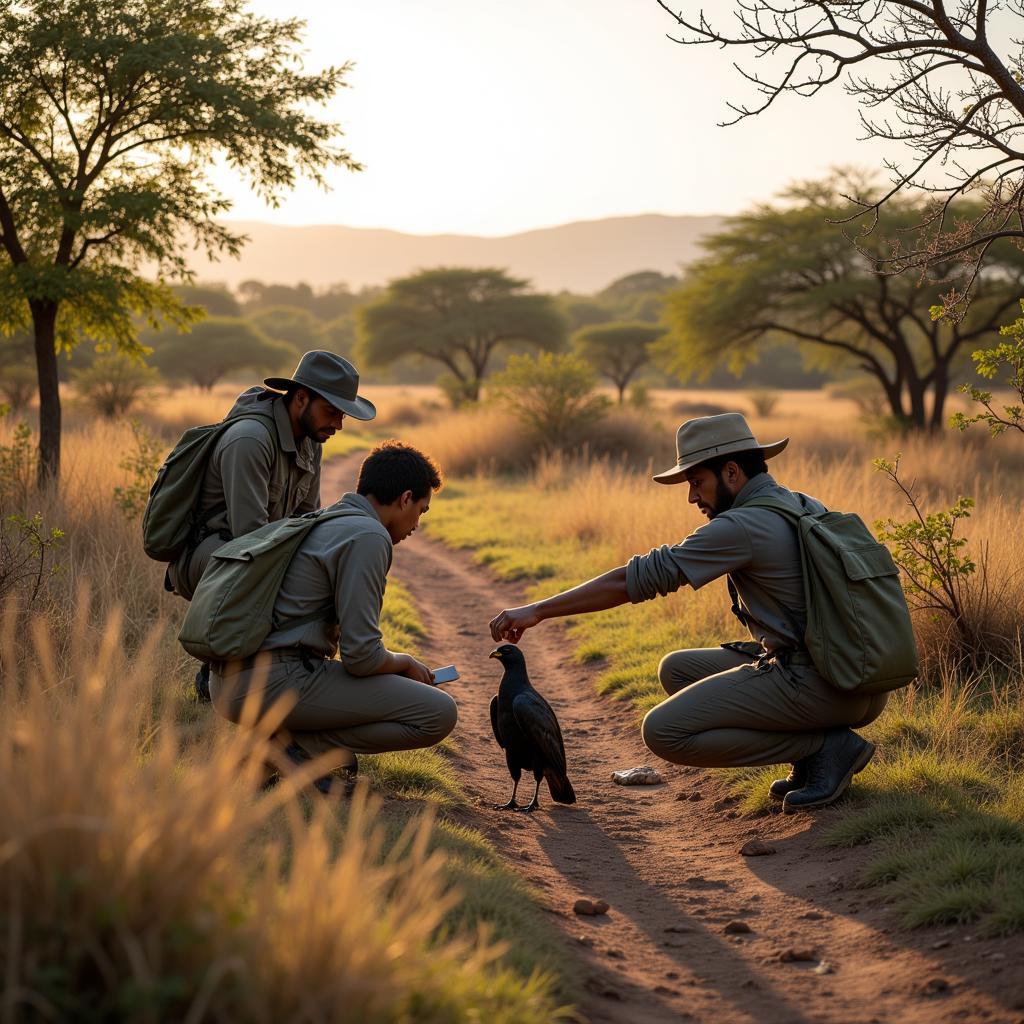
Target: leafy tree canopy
column 458, row 317
column 617, row 350
column 216, row 300
column 787, row 271
column 216, row 347
column 332, row 302
column 111, row 112
column 296, row 327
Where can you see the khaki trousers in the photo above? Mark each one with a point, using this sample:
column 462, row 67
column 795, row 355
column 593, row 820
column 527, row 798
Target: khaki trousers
column 336, row 711
column 725, row 711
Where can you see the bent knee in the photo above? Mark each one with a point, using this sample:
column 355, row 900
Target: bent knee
column 443, row 717
column 666, row 737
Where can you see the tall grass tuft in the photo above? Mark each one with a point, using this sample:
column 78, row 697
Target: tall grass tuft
column 140, row 881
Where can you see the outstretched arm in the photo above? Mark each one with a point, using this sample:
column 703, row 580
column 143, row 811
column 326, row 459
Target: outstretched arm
column 605, row 591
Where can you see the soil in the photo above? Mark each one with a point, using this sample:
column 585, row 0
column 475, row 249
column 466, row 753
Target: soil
column 818, row 947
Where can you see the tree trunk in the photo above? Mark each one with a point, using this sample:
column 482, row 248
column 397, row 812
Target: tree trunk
column 44, row 322
column 916, row 389
column 894, row 396
column 940, row 391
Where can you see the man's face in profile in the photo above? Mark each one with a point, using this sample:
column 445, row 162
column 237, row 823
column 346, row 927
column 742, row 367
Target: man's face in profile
column 320, row 420
column 709, row 491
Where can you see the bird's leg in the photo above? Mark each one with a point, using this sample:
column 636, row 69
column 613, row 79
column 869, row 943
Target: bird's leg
column 534, row 803
column 511, row 805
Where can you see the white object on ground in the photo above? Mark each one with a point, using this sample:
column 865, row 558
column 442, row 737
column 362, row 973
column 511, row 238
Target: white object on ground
column 642, row 775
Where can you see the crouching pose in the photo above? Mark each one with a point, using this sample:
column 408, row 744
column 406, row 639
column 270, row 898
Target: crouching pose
column 329, row 601
column 756, row 702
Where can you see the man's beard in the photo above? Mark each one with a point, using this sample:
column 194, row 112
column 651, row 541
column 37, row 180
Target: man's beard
column 724, row 498
column 307, row 426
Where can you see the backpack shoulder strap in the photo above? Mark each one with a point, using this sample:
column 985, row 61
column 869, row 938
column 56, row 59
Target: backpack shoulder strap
column 774, row 505
column 326, row 612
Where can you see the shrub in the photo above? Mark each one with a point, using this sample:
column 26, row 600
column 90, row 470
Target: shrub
column 764, row 400
column 687, row 408
column 639, row 396
column 552, row 395
column 17, row 467
column 26, row 550
column 141, row 464
column 114, row 382
column 964, row 622
column 459, row 392
column 18, row 385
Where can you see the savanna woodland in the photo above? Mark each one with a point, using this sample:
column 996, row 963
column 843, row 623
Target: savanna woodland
column 872, row 316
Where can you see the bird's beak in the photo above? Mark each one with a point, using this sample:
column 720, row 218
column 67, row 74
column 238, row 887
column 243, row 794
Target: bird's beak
column 494, row 654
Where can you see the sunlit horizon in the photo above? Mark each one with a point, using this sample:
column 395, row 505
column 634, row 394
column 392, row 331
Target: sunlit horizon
column 492, row 120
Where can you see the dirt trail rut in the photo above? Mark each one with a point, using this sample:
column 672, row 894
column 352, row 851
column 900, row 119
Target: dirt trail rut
column 668, row 862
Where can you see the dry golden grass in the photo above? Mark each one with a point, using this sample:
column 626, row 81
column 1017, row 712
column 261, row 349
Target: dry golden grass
column 138, row 883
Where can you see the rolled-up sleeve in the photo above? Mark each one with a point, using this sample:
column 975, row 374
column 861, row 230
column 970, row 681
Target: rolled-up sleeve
column 721, row 546
column 359, row 596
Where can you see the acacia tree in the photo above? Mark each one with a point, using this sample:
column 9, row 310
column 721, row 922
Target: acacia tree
column 458, row 317
column 618, row 350
column 218, row 346
column 943, row 79
column 784, row 272
column 111, row 112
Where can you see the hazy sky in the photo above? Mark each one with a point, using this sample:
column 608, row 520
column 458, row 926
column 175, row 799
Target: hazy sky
column 496, row 116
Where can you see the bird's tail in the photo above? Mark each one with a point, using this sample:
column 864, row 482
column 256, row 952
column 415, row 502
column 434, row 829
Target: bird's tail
column 560, row 787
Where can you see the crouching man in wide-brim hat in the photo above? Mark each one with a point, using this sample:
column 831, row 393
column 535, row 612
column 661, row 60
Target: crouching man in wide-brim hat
column 752, row 702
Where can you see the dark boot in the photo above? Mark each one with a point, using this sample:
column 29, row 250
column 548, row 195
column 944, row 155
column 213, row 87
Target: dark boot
column 830, row 770
column 796, row 779
column 203, row 683
column 345, row 777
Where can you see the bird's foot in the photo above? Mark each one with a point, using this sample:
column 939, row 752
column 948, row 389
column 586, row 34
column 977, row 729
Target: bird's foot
column 510, row 806
column 528, row 808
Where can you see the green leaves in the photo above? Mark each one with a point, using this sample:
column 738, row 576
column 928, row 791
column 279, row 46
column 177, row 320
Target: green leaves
column 1007, row 356
column 927, row 549
column 553, row 395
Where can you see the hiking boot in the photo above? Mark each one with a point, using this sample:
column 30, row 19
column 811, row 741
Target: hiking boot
column 796, row 779
column 830, row 770
column 345, row 777
column 203, row 683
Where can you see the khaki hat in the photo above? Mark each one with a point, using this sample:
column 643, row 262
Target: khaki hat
column 331, row 377
column 707, row 437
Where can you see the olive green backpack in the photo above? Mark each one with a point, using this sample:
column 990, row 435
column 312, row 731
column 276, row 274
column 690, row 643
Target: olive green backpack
column 859, row 634
column 169, row 522
column 232, row 610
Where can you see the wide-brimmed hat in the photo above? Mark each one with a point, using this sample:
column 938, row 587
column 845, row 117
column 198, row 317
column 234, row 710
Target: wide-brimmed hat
column 332, row 377
column 707, row 437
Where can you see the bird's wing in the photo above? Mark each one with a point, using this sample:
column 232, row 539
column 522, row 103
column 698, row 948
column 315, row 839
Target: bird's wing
column 494, row 720
column 537, row 721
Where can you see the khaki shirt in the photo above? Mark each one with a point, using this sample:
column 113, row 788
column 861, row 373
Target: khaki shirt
column 759, row 551
column 344, row 561
column 255, row 476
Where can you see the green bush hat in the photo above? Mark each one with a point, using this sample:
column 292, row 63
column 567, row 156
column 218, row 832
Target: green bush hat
column 707, row 437
column 331, row 377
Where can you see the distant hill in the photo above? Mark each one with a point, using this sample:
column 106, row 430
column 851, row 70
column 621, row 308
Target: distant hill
column 582, row 257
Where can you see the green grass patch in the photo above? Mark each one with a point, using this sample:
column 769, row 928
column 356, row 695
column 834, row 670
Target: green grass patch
column 346, row 442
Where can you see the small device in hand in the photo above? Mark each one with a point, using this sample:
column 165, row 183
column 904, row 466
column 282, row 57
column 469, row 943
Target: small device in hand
column 448, row 674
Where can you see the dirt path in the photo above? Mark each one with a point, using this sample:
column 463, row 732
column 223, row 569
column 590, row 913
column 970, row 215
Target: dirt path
column 668, row 863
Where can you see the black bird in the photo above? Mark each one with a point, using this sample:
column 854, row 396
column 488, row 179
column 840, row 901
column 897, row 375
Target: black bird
column 526, row 729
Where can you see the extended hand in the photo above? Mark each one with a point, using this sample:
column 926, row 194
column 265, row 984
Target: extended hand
column 512, row 623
